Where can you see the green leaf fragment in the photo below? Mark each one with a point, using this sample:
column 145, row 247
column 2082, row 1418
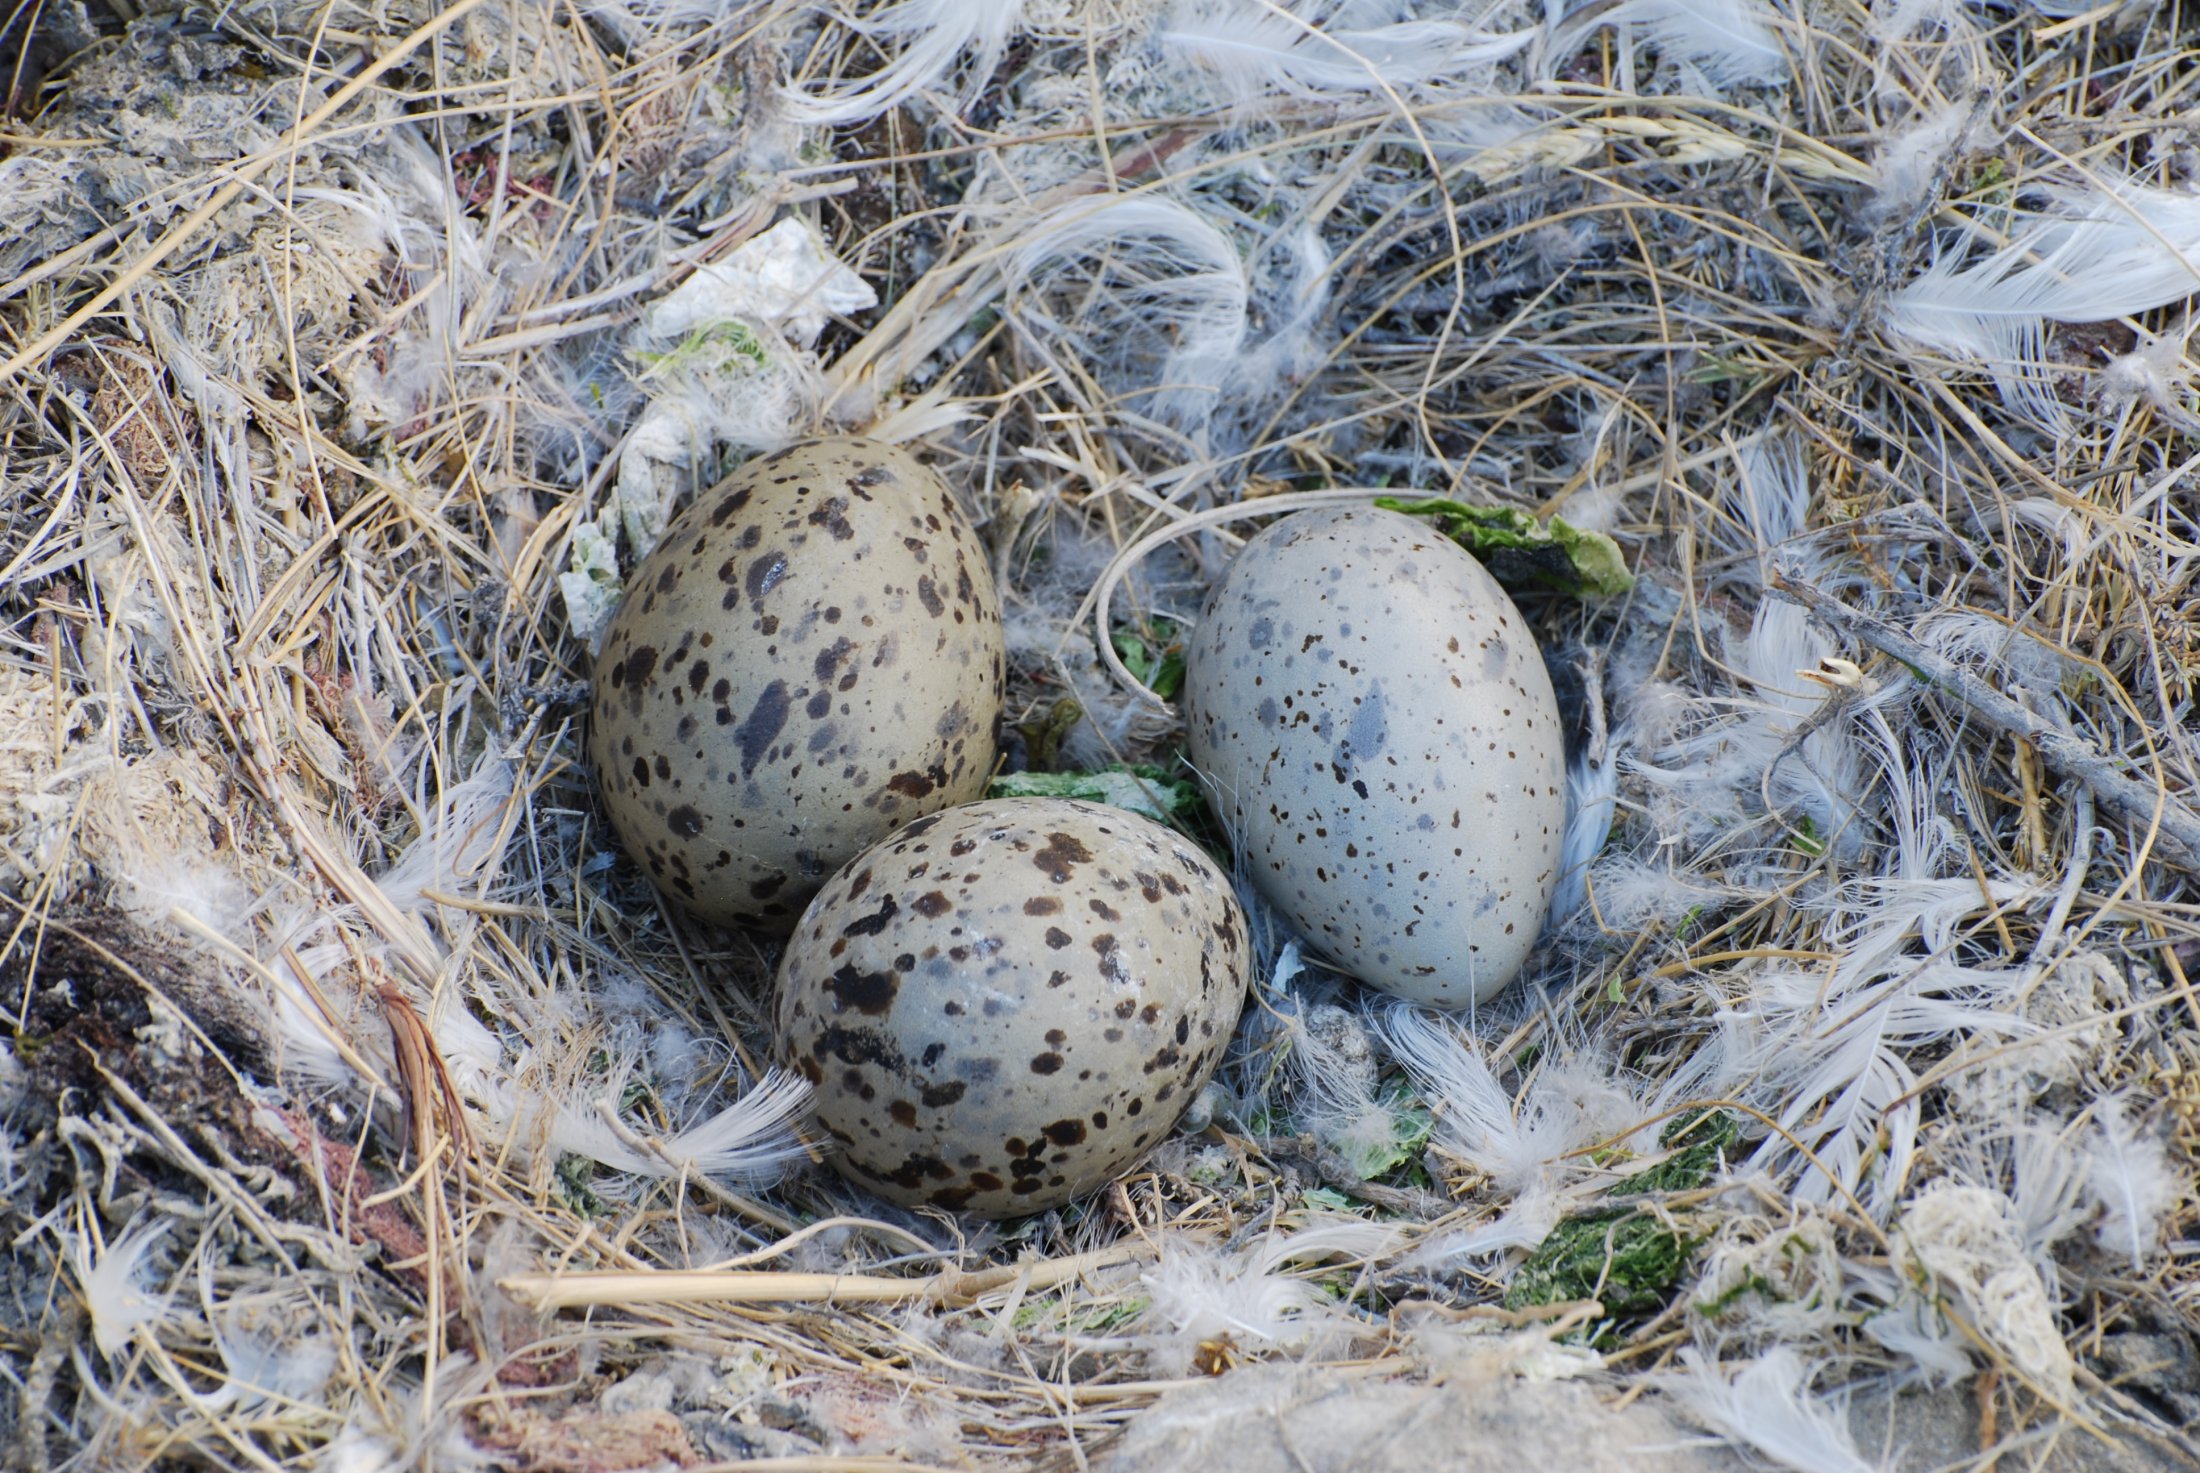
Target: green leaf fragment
column 1153, row 654
column 1146, row 791
column 1520, row 551
column 1405, row 1124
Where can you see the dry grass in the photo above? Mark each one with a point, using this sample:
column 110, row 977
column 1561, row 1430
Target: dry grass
column 316, row 360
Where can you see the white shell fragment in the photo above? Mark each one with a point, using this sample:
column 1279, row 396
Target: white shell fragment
column 1004, row 1005
column 1380, row 734
column 811, row 658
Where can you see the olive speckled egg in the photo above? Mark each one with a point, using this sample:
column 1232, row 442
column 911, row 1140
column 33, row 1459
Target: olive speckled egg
column 810, row 658
column 1004, row 1005
column 1376, row 722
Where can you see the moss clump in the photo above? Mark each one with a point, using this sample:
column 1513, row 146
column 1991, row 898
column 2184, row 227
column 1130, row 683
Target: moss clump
column 1699, row 1141
column 1629, row 1259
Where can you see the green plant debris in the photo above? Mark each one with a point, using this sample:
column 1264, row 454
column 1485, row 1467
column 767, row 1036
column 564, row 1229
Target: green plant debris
column 715, row 346
column 1699, row 1140
column 1146, row 791
column 1756, row 1284
column 1043, row 734
column 576, row 1190
column 1630, row 1261
column 1074, row 1318
column 1327, row 1199
column 1410, row 1126
column 1805, row 834
column 1521, row 552
column 1154, row 654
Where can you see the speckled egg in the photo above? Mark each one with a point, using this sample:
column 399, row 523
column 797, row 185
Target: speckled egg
column 810, row 658
column 1376, row 722
column 1006, row 1004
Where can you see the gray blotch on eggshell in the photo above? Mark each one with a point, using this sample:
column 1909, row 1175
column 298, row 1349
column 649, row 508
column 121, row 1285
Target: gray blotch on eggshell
column 1007, row 1004
column 809, row 659
column 1377, row 726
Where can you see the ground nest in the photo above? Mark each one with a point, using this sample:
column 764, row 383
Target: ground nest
column 1817, row 374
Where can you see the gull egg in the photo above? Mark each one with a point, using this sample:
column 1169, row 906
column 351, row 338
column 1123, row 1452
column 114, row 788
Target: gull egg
column 1007, row 1004
column 811, row 658
column 1375, row 721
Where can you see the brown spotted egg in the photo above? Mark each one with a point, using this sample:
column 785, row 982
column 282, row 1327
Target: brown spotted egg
column 1375, row 720
column 1006, row 1004
column 809, row 659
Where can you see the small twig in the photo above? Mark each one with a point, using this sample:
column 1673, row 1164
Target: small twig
column 2176, row 827
column 665, row 1286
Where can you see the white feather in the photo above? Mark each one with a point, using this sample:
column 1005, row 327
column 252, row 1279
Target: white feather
column 1532, row 1149
column 2041, row 1174
column 1475, row 1118
column 2007, row 652
column 460, row 843
column 1766, row 1404
column 931, row 35
column 1258, row 48
column 1709, row 777
column 112, row 1279
column 1910, row 159
column 1632, row 893
column 1592, row 803
column 1833, row 1066
column 2109, row 251
column 751, row 1141
column 152, row 885
column 2132, row 1179
column 1171, row 273
column 1198, row 1292
column 273, row 1347
column 1914, row 1329
column 1730, row 41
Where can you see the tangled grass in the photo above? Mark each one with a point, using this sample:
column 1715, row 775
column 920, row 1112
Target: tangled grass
column 366, row 1108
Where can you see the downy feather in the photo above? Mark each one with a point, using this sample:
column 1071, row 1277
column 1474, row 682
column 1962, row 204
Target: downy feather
column 751, row 1141
column 931, row 34
column 1731, row 42
column 461, row 840
column 1198, row 1292
column 1910, row 158
column 1765, row 1403
column 1632, row 892
column 1170, row 271
column 2131, row 1177
column 1529, row 1149
column 112, row 1279
column 1258, row 48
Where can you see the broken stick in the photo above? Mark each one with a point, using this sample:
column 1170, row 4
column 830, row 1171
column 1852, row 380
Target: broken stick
column 2149, row 805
